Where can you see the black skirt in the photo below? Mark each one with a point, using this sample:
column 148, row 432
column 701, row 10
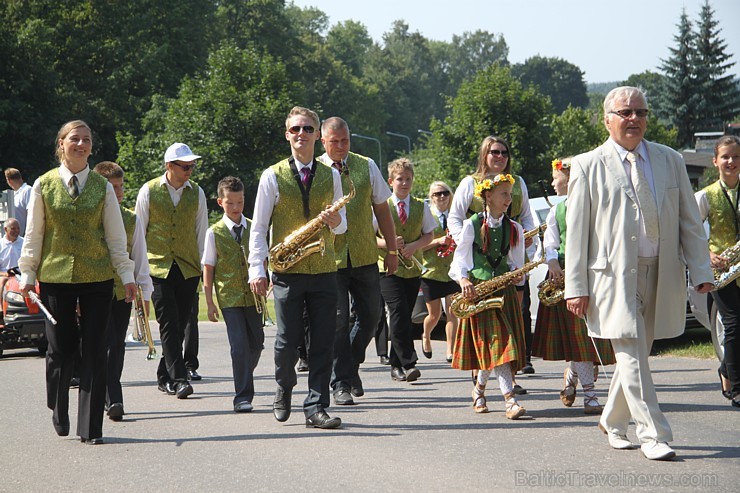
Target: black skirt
column 434, row 290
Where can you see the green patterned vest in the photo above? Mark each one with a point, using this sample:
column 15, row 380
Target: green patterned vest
column 231, row 276
column 517, row 197
column 74, row 248
column 359, row 240
column 170, row 234
column 287, row 216
column 722, row 231
column 560, row 210
column 410, row 232
column 481, row 270
column 129, row 224
column 438, row 268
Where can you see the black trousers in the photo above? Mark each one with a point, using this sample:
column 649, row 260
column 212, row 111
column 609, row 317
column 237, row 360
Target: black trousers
column 173, row 304
column 191, row 337
column 318, row 294
column 527, row 317
column 67, row 340
column 120, row 312
column 246, row 339
column 728, row 305
column 400, row 296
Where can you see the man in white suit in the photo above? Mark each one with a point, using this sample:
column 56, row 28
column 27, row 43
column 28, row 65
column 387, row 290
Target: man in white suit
column 631, row 234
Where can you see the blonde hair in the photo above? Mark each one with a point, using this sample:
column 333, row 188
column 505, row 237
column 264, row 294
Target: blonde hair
column 64, row 131
column 444, row 185
column 300, row 110
column 398, row 165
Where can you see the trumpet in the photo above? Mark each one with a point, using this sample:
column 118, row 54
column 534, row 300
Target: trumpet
column 410, row 263
column 260, row 302
column 33, row 296
column 142, row 332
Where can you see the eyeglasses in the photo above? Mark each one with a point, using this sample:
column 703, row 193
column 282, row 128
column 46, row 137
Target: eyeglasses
column 184, row 167
column 497, row 153
column 628, row 113
column 443, row 193
column 296, row 129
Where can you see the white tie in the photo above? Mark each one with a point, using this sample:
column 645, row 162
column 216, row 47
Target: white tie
column 648, row 208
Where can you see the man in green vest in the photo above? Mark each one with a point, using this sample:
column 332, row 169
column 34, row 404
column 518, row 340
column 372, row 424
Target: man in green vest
column 173, row 212
column 291, row 193
column 357, row 256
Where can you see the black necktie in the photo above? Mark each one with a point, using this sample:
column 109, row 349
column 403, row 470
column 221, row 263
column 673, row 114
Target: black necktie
column 238, row 233
column 75, row 186
column 443, row 217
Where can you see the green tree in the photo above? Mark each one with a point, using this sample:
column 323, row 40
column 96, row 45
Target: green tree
column 554, row 77
column 653, row 84
column 233, row 115
column 467, row 54
column 574, row 131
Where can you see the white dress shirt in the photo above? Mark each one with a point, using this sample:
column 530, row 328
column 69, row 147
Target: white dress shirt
column 209, row 252
column 268, row 195
column 380, row 189
column 201, row 220
column 552, row 236
column 462, row 260
column 141, row 261
column 10, row 252
column 21, row 199
column 428, row 221
column 115, row 233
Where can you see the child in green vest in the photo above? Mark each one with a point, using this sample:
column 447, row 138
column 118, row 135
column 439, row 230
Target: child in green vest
column 414, row 229
column 225, row 266
column 491, row 245
column 559, row 335
column 718, row 203
column 120, row 308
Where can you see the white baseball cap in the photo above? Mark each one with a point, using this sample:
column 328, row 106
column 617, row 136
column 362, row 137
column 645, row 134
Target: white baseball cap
column 179, row 152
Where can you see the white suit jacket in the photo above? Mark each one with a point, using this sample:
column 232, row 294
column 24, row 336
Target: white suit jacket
column 602, row 241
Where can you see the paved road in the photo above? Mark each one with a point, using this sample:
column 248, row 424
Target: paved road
column 422, row 436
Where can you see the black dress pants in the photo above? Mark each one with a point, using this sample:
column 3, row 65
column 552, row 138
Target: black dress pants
column 728, row 305
column 67, row 340
column 400, row 296
column 117, row 326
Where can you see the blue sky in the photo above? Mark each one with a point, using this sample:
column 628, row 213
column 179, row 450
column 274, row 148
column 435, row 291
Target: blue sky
column 608, row 40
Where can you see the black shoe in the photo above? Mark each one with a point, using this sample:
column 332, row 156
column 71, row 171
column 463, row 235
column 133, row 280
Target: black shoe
column 412, row 374
column 398, row 374
column 342, row 397
column 427, row 354
column 323, row 421
column 519, row 390
column 194, row 375
column 384, row 360
column 356, row 387
column 281, row 405
column 92, row 441
column 168, row 388
column 727, row 394
column 183, row 390
column 449, row 359
column 528, row 369
column 74, row 382
column 115, row 411
column 736, row 402
column 302, row 366
column 62, row 428
column 243, row 407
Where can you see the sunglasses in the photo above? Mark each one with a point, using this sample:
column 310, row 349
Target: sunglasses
column 497, row 153
column 641, row 113
column 296, row 129
column 184, row 167
column 443, row 193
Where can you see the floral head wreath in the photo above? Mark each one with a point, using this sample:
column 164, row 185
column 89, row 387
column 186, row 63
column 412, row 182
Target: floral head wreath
column 489, row 183
column 559, row 165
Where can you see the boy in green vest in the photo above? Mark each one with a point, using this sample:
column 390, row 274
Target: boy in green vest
column 414, row 229
column 121, row 309
column 225, row 266
column 291, row 193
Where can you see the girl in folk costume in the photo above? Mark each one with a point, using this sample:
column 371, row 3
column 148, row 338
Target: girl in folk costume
column 490, row 245
column 435, row 281
column 718, row 203
column 559, row 335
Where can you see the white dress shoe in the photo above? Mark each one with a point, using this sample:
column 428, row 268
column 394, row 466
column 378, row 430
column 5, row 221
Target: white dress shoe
column 619, row 442
column 655, row 450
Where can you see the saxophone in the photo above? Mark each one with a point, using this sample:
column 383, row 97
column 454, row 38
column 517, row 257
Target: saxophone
column 483, row 301
column 297, row 246
column 724, row 277
column 551, row 291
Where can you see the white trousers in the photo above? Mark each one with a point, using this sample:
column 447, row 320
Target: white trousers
column 632, row 392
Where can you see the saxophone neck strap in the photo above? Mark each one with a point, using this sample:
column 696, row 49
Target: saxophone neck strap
column 304, row 189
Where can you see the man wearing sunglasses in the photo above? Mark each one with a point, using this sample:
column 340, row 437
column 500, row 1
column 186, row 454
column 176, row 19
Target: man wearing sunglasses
column 357, row 256
column 291, row 193
column 173, row 212
column 633, row 227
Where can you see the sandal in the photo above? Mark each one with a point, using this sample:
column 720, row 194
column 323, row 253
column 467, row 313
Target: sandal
column 513, row 409
column 568, row 394
column 479, row 400
column 725, row 384
column 591, row 405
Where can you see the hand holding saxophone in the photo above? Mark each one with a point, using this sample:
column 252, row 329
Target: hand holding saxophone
column 330, row 217
column 468, row 289
column 718, row 262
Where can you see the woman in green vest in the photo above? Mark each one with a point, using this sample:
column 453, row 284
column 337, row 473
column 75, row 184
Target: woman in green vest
column 435, row 281
column 75, row 241
column 718, row 203
column 559, row 335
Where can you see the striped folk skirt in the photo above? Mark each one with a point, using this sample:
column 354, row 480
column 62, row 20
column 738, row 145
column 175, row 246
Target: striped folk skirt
column 492, row 338
column 561, row 336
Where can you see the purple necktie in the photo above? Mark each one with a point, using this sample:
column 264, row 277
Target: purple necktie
column 305, row 173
